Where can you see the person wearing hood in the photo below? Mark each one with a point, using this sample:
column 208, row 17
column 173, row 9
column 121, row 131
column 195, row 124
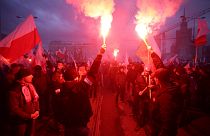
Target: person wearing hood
column 167, row 106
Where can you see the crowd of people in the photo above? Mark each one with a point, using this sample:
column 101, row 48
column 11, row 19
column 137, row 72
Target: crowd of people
column 162, row 100
column 61, row 93
column 159, row 98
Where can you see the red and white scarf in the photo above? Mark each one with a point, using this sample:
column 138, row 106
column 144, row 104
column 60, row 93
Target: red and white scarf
column 29, row 92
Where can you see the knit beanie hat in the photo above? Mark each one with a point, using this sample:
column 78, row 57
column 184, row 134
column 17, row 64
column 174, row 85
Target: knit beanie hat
column 22, row 73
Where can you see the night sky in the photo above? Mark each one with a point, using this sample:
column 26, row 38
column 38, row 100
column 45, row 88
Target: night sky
column 58, row 20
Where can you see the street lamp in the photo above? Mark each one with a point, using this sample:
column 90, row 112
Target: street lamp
column 35, row 17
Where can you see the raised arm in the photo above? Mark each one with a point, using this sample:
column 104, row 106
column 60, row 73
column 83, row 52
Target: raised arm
column 96, row 63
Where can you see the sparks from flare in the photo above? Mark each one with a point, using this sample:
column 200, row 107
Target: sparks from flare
column 105, row 26
column 102, row 9
column 143, row 30
column 115, row 53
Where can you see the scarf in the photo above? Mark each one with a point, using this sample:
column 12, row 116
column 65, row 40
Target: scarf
column 29, row 92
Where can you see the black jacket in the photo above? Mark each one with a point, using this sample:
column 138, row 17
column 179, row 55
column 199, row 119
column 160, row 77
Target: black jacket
column 166, row 111
column 75, row 107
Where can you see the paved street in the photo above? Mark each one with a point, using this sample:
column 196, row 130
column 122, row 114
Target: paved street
column 111, row 119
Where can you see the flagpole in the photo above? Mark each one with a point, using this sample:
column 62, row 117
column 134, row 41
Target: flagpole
column 196, row 55
column 149, row 78
column 150, row 92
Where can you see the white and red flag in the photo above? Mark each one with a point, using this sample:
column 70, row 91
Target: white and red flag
column 39, row 59
column 24, row 38
column 151, row 41
column 201, row 38
column 142, row 53
column 60, row 54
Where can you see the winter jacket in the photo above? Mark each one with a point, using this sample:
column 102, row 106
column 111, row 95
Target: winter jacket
column 73, row 101
column 166, row 110
column 20, row 110
column 120, row 79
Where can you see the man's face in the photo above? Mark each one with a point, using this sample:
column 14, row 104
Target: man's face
column 60, row 65
column 82, row 71
column 28, row 79
column 61, row 78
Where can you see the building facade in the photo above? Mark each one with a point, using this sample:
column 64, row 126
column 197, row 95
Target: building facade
column 184, row 46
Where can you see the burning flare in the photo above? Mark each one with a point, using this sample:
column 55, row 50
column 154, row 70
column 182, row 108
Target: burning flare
column 153, row 16
column 30, row 60
column 102, row 9
column 142, row 31
column 105, row 26
column 115, row 53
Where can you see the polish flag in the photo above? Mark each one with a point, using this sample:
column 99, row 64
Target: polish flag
column 60, row 54
column 142, row 53
column 201, row 38
column 24, row 38
column 151, row 41
column 39, row 58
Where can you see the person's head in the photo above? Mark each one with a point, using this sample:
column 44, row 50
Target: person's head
column 147, row 71
column 82, row 71
column 24, row 75
column 161, row 75
column 70, row 74
column 121, row 69
column 58, row 77
column 37, row 70
column 15, row 68
column 180, row 71
column 60, row 65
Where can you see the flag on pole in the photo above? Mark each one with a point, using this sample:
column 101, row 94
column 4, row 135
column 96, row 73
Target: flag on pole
column 187, row 66
column 142, row 53
column 39, row 58
column 173, row 59
column 60, row 54
column 24, row 38
column 201, row 38
column 151, row 41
